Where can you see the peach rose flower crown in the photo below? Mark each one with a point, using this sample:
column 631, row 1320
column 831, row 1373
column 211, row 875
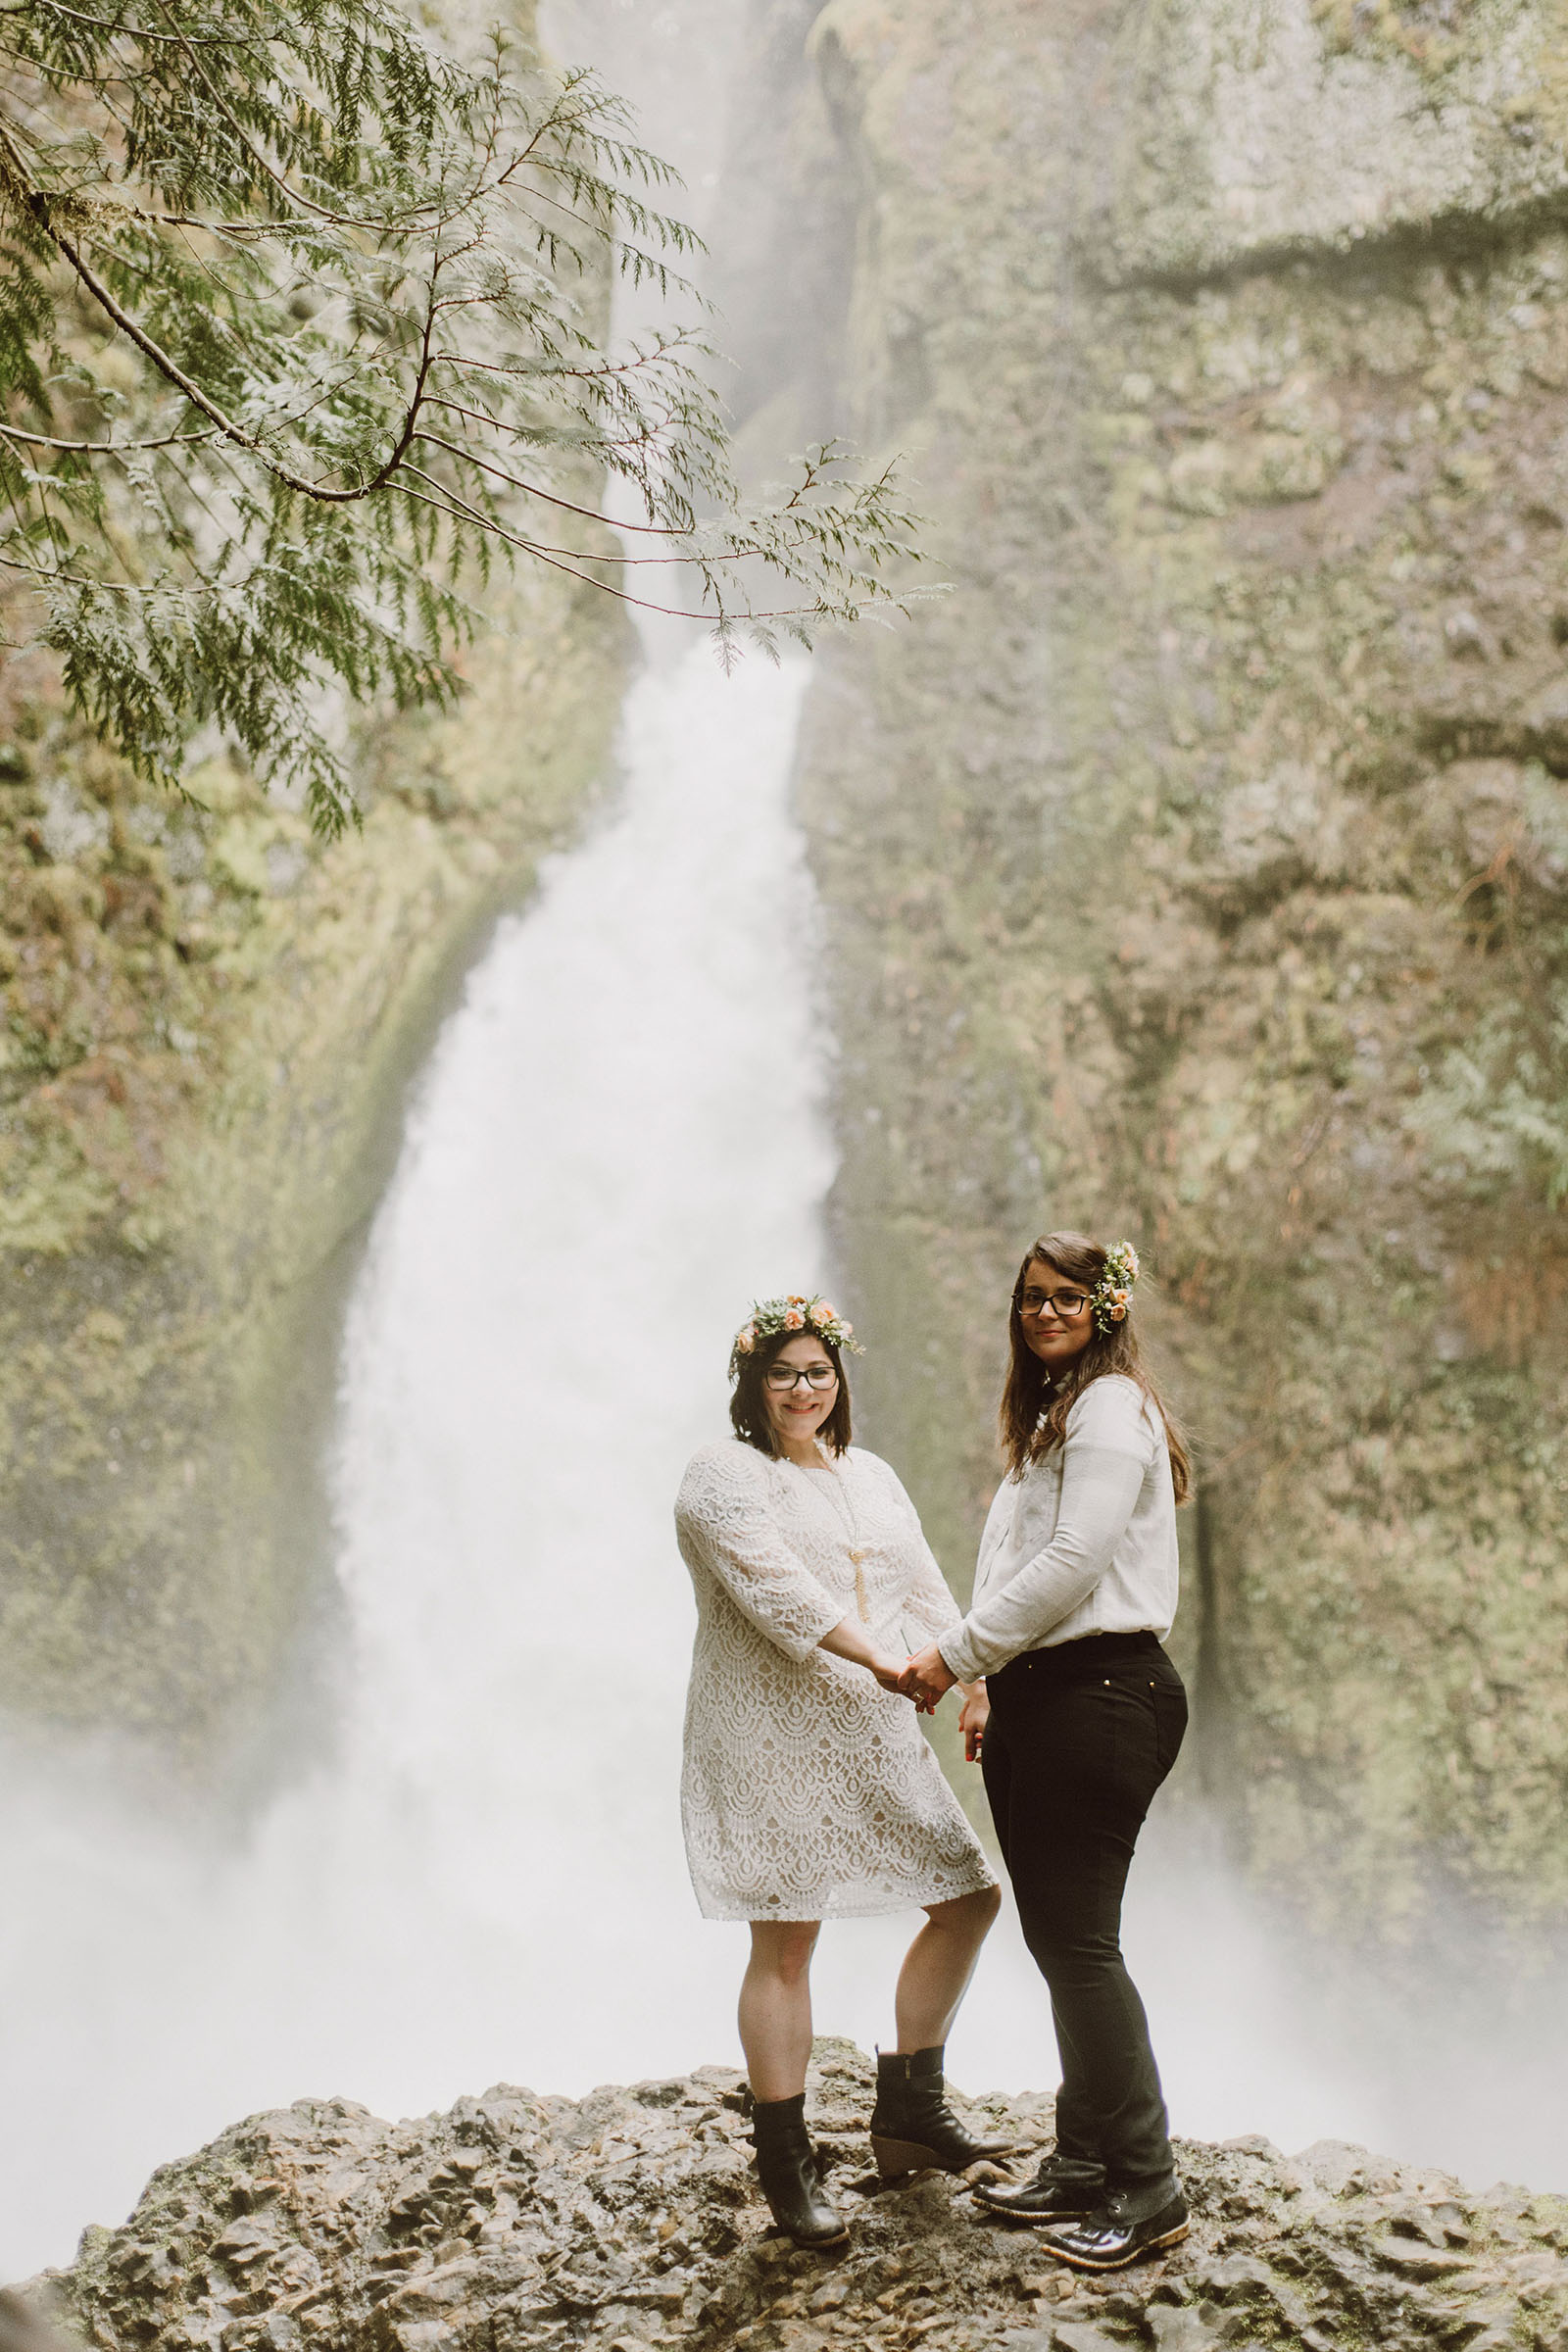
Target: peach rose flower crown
column 1112, row 1298
column 769, row 1316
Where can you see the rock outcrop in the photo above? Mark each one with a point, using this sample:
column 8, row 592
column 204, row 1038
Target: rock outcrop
column 1198, row 869
column 632, row 2218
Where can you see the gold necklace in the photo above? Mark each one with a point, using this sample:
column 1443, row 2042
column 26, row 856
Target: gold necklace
column 857, row 1548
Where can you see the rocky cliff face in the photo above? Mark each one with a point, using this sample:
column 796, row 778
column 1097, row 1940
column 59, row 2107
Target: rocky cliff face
column 632, row 2218
column 210, row 1019
column 1198, row 871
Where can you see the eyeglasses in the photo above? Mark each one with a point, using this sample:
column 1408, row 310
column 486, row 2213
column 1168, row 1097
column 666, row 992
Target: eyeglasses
column 1068, row 1304
column 783, row 1377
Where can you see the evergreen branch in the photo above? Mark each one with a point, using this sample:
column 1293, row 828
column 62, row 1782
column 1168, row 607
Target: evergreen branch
column 174, row 374
column 458, row 509
column 351, row 261
column 108, row 449
column 134, row 32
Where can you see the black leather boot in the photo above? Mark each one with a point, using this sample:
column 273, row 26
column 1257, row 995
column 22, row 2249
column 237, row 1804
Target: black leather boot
column 1128, row 2228
column 786, row 2166
column 1064, row 2188
column 912, row 2127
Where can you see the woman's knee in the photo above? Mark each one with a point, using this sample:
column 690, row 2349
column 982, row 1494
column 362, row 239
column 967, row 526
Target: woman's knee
column 784, row 1947
column 981, row 1907
column 1067, row 1953
column 967, row 1914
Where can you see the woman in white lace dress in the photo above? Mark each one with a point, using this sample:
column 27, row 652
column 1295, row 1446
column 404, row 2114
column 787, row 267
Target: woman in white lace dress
column 809, row 1791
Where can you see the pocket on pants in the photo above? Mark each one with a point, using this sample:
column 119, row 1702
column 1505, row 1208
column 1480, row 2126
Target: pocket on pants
column 1170, row 1721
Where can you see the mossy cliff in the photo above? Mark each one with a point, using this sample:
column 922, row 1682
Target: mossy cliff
column 1198, row 869
column 208, row 1019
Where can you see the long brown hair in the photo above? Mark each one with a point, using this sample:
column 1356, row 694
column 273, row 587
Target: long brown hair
column 747, row 1404
column 1031, row 1426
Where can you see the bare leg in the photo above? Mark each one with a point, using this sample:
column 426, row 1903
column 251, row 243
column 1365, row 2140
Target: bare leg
column 775, row 2006
column 938, row 1966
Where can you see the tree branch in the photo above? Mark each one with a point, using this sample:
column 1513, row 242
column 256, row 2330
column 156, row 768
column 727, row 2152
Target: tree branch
column 105, row 449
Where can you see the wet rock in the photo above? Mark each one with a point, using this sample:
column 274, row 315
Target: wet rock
column 1418, row 2262
column 1078, row 2336
column 1332, row 2164
column 631, row 2219
column 1188, row 2328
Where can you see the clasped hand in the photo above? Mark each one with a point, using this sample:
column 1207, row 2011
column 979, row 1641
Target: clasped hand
column 925, row 1679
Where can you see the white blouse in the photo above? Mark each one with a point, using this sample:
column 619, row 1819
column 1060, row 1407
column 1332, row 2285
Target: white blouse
column 1081, row 1543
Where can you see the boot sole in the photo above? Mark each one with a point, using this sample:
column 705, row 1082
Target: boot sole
column 895, row 2156
column 1123, row 2262
column 814, row 2246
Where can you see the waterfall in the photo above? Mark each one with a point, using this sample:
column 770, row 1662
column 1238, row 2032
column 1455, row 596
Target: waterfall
column 620, row 1141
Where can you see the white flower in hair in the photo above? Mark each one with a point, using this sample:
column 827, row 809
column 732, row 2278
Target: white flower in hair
column 1110, row 1301
column 794, row 1313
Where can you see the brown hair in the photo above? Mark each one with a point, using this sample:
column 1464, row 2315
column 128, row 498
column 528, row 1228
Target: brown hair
column 748, row 1404
column 1030, row 1426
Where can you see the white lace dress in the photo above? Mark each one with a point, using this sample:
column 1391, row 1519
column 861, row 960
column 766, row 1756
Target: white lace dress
column 808, row 1791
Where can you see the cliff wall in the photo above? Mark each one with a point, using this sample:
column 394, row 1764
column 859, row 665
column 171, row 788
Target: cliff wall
column 1196, row 871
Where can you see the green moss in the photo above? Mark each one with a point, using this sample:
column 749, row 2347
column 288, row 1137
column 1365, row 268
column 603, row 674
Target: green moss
column 1198, row 871
column 209, row 1021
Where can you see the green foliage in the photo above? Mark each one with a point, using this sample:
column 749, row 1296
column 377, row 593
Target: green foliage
column 294, row 342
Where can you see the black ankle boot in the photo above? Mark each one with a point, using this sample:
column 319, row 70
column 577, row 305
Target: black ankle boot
column 1064, row 2188
column 912, row 2127
column 1128, row 2227
column 786, row 2166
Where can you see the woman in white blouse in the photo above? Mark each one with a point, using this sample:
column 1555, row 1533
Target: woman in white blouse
column 808, row 1791
column 1075, row 1587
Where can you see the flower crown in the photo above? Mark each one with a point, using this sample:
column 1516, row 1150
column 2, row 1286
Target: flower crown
column 769, row 1316
column 1110, row 1301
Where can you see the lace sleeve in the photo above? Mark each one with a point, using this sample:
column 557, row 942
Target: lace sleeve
column 723, row 1522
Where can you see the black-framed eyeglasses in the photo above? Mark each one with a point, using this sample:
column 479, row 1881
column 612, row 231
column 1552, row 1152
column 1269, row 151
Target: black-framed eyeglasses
column 783, row 1377
column 1067, row 1305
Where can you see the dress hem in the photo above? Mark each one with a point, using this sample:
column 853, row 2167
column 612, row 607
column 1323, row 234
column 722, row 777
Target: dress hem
column 871, row 1907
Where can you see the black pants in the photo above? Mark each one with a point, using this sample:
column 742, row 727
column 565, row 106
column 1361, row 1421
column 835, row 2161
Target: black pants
column 1080, row 1737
